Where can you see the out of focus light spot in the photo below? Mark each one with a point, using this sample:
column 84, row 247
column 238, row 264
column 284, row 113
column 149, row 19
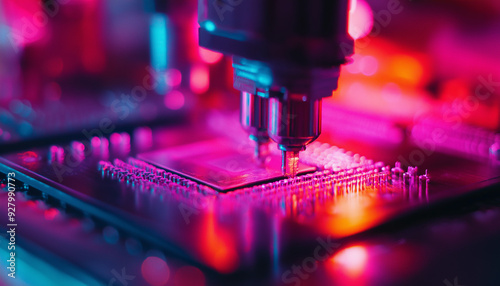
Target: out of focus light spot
column 16, row 106
column 6, row 136
column 174, row 100
column 133, row 246
column 115, row 138
column 353, row 67
column 368, row 65
column 51, row 213
column 352, row 259
column 110, row 235
column 77, row 146
column 173, row 77
column 125, row 138
column 158, row 34
column 391, row 92
column 189, row 275
column 199, row 81
column 360, row 19
column 159, row 49
column 265, row 79
column 209, row 56
column 25, row 128
column 225, row 259
column 209, row 26
column 96, row 142
column 143, row 138
column 407, row 68
column 31, row 204
column 29, row 157
column 155, row 271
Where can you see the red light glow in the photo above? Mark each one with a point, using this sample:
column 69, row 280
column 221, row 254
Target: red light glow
column 29, row 157
column 173, row 77
column 218, row 247
column 209, row 56
column 50, row 214
column 155, row 271
column 200, row 78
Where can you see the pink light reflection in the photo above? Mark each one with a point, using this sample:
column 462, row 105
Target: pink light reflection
column 173, row 77
column 360, row 19
column 353, row 259
column 174, row 100
column 115, row 138
column 368, row 65
column 143, row 138
column 96, row 142
column 155, row 271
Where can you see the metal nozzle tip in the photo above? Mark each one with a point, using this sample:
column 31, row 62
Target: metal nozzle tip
column 290, row 163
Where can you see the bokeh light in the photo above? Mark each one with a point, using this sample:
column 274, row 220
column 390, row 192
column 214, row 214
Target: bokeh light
column 155, row 271
column 352, row 259
column 174, row 100
column 360, row 19
column 199, row 81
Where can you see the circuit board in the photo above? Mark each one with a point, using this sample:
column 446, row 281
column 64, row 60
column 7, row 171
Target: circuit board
column 131, row 190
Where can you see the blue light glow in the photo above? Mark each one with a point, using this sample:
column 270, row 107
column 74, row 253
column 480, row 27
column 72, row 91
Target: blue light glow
column 158, row 36
column 159, row 49
column 265, row 79
column 209, row 26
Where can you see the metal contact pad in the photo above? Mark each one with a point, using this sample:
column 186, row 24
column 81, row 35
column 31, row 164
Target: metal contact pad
column 219, row 164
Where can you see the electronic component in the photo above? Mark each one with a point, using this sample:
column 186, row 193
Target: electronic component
column 218, row 164
column 157, row 199
column 289, row 57
column 183, row 146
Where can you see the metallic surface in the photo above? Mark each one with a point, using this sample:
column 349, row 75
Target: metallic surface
column 254, row 120
column 253, row 226
column 306, row 33
column 250, row 234
column 294, row 123
column 219, row 165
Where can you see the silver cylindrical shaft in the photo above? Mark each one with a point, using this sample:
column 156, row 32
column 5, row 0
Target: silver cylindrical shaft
column 293, row 124
column 254, row 112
